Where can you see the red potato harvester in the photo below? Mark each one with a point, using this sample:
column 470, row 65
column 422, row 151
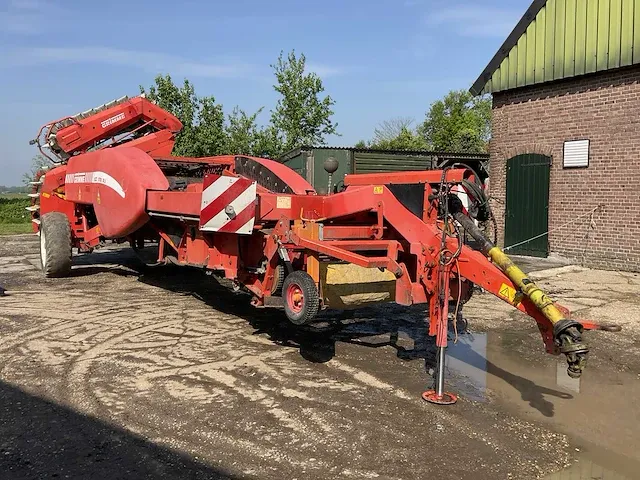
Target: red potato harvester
column 260, row 224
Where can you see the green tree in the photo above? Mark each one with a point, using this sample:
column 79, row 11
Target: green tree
column 242, row 132
column 38, row 162
column 202, row 119
column 459, row 122
column 406, row 139
column 245, row 137
column 391, row 129
column 209, row 135
column 269, row 143
column 300, row 115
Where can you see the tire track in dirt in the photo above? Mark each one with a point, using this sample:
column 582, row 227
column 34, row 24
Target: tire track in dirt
column 236, row 356
column 183, row 373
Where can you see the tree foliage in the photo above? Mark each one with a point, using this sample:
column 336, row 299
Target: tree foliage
column 406, row 139
column 38, row 162
column 13, row 190
column 395, row 134
column 202, row 118
column 299, row 117
column 459, row 122
column 242, row 132
column 300, row 114
column 269, row 143
column 391, row 129
column 245, row 137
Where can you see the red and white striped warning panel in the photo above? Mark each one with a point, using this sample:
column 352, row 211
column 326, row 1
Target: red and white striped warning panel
column 228, row 205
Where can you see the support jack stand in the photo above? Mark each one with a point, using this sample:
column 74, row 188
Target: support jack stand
column 439, row 396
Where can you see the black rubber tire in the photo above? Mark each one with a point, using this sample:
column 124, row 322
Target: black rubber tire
column 55, row 237
column 310, row 302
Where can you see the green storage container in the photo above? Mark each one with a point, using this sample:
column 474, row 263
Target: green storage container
column 309, row 163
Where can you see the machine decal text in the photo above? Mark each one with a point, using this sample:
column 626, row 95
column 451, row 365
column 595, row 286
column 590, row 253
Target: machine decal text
column 112, row 120
column 96, row 177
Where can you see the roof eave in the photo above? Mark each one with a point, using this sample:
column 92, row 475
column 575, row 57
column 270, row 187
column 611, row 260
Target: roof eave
column 478, row 86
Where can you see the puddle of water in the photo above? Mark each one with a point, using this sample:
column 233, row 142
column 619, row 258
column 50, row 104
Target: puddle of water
column 598, row 411
column 595, row 463
column 466, row 366
column 585, row 469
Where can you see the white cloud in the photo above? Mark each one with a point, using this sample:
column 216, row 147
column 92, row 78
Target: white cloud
column 154, row 62
column 28, row 17
column 150, row 61
column 28, row 4
column 19, row 23
column 475, row 20
column 324, row 71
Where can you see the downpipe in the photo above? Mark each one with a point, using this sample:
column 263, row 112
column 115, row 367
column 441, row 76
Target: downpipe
column 567, row 334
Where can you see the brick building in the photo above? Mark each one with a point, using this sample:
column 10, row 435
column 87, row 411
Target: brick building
column 565, row 141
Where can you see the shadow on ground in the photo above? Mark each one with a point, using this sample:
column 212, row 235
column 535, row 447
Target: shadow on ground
column 371, row 327
column 40, row 439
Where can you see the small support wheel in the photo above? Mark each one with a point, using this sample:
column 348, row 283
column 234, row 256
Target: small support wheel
column 301, row 298
column 278, row 279
column 55, row 245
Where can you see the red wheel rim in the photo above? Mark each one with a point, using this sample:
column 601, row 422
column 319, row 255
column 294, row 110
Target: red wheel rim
column 295, row 298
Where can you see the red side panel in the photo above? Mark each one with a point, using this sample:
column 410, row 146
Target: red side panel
column 155, row 144
column 115, row 181
column 49, row 201
column 424, row 176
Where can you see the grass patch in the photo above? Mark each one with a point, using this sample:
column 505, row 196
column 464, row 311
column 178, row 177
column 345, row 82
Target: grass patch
column 15, row 228
column 14, row 195
column 13, row 216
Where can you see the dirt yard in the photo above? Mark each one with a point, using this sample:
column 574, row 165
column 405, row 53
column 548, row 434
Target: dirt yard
column 125, row 372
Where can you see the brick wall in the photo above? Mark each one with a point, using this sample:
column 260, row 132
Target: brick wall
column 605, row 108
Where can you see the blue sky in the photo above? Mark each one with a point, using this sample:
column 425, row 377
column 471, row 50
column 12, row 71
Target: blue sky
column 378, row 58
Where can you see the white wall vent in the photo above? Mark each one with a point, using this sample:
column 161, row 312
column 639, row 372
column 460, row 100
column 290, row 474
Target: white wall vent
column 576, row 154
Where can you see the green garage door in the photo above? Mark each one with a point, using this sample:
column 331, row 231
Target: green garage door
column 527, row 209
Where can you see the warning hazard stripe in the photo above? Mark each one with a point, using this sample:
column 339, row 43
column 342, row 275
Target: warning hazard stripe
column 220, row 201
column 228, row 204
column 240, row 220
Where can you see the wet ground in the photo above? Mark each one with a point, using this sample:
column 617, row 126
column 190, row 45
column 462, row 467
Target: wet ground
column 125, row 372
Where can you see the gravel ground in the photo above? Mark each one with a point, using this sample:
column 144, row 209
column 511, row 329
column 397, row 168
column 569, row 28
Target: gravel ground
column 124, row 372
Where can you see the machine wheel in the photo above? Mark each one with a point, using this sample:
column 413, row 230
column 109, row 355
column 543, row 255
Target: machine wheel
column 301, row 298
column 55, row 245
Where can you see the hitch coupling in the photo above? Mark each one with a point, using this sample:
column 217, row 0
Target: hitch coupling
column 567, row 335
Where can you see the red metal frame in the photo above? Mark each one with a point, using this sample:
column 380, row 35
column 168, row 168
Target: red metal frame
column 120, row 119
column 426, row 176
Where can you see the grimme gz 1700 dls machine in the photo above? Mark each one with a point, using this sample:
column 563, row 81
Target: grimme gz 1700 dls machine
column 385, row 237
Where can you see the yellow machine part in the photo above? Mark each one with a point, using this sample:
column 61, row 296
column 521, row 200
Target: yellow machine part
column 529, row 288
column 348, row 286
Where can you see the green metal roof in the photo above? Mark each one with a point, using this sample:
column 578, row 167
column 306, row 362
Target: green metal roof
column 424, row 153
column 558, row 39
